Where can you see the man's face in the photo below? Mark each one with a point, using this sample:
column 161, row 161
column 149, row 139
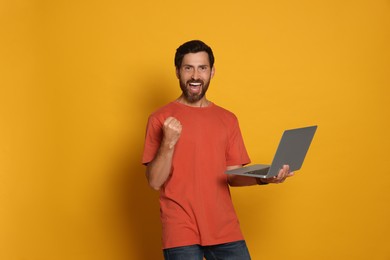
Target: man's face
column 195, row 75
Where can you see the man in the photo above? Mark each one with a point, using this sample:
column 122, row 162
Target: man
column 189, row 145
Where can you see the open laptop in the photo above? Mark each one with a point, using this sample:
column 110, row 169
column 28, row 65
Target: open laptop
column 291, row 151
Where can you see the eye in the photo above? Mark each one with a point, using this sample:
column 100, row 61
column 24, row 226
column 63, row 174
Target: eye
column 202, row 68
column 187, row 68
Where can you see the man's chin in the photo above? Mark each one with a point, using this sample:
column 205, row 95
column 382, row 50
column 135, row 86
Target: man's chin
column 193, row 98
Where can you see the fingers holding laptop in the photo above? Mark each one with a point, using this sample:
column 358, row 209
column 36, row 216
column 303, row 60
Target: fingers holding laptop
column 283, row 174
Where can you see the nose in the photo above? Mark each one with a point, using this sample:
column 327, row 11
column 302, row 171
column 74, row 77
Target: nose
column 195, row 75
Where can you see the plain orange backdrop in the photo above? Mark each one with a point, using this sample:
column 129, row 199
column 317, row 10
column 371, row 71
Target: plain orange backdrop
column 78, row 80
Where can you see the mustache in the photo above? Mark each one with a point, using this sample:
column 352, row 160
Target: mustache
column 195, row 81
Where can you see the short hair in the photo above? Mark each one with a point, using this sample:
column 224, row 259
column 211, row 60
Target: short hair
column 193, row 46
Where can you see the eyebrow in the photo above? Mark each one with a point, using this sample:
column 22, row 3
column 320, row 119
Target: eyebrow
column 205, row 65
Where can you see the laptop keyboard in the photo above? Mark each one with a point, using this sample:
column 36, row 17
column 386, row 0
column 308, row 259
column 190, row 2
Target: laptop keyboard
column 258, row 172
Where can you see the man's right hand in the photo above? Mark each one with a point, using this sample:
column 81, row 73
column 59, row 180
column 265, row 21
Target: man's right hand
column 160, row 167
column 172, row 130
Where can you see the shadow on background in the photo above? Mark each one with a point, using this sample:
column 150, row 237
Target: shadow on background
column 139, row 212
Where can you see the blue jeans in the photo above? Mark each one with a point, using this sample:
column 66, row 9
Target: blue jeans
column 229, row 251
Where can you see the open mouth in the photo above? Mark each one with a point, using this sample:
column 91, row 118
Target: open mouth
column 195, row 87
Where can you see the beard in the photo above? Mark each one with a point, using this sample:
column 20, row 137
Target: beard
column 193, row 97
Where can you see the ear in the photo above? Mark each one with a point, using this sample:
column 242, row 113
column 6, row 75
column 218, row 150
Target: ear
column 177, row 73
column 212, row 71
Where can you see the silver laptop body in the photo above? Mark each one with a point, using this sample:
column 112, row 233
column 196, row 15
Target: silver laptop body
column 291, row 151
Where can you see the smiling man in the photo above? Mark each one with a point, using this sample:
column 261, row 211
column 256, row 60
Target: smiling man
column 194, row 76
column 189, row 145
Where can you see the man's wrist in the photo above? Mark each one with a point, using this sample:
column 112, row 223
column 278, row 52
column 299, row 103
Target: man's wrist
column 260, row 181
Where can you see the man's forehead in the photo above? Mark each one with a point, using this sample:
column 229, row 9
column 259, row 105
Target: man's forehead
column 196, row 58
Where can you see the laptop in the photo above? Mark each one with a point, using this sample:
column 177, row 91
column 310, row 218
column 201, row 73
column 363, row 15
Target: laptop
column 291, row 151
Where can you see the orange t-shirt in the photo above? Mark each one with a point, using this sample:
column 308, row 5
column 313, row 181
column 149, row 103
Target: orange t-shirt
column 195, row 201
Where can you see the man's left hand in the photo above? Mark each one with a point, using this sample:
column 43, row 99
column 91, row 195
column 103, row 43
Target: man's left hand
column 283, row 174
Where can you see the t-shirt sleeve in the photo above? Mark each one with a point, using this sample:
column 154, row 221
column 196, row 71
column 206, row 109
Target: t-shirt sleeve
column 153, row 138
column 236, row 153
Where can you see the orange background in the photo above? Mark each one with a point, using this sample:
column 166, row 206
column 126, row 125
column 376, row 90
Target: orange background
column 79, row 78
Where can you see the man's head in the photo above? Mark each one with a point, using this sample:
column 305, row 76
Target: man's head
column 194, row 62
column 193, row 46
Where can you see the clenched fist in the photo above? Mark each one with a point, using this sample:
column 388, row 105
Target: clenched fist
column 171, row 130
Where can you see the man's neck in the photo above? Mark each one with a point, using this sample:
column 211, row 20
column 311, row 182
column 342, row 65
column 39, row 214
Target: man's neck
column 201, row 103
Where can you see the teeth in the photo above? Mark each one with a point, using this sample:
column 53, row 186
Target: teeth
column 195, row 84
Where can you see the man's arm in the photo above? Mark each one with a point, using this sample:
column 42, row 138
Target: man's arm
column 158, row 170
column 239, row 180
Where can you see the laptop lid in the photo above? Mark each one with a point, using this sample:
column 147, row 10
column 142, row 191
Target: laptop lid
column 292, row 149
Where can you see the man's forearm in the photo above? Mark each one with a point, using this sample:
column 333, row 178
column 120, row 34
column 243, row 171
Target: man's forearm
column 237, row 180
column 158, row 170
